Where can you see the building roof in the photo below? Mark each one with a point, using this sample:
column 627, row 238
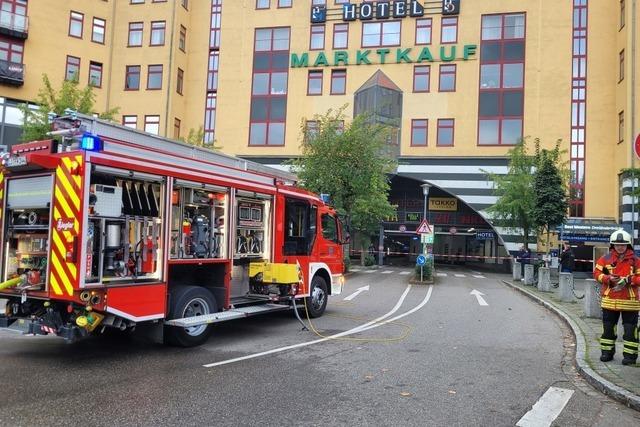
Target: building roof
column 379, row 79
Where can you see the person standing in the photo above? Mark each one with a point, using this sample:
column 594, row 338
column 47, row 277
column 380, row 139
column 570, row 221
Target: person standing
column 567, row 260
column 618, row 272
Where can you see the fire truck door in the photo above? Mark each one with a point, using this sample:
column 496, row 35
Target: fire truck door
column 329, row 243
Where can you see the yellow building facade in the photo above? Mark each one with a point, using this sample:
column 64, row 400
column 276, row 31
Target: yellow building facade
column 462, row 80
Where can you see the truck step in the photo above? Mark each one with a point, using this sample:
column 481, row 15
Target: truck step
column 223, row 316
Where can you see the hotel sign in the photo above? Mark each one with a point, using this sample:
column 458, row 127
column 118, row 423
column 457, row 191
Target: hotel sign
column 385, row 10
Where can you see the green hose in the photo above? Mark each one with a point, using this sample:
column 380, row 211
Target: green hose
column 10, row 283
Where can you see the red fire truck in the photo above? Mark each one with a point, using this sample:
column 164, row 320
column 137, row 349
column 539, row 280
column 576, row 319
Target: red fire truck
column 111, row 227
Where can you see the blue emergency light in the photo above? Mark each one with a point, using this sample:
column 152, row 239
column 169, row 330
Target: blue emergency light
column 91, row 142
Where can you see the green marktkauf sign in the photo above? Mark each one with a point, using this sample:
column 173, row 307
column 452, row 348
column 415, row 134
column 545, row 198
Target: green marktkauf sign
column 384, row 56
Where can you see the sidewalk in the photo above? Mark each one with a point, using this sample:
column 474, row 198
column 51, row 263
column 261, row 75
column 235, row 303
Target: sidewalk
column 612, row 378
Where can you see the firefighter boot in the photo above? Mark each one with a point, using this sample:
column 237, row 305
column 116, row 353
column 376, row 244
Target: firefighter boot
column 608, row 341
column 630, row 343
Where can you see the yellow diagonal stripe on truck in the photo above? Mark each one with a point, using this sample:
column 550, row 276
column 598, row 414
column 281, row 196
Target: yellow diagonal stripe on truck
column 63, row 276
column 62, row 178
column 54, row 284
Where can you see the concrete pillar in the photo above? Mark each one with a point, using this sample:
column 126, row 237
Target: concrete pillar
column 517, row 271
column 592, row 300
column 544, row 279
column 566, row 287
column 528, row 274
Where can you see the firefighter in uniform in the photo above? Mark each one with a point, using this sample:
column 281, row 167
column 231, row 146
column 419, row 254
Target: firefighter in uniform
column 618, row 272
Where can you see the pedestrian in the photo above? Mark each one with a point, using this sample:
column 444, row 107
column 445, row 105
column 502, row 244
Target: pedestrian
column 618, row 272
column 567, row 260
column 522, row 257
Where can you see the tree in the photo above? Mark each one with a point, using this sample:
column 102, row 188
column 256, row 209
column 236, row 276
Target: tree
column 70, row 96
column 550, row 189
column 350, row 165
column 516, row 199
column 196, row 138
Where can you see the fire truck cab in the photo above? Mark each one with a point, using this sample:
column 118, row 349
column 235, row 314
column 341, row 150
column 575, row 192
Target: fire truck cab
column 112, row 227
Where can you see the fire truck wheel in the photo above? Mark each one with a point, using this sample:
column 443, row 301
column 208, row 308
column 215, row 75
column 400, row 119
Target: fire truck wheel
column 189, row 301
column 317, row 302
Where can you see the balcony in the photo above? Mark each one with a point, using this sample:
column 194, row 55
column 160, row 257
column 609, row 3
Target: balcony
column 11, row 73
column 14, row 25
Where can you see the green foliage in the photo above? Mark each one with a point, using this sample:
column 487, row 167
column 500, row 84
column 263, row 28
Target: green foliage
column 351, row 166
column 515, row 192
column 196, row 138
column 369, row 260
column 347, row 261
column 550, row 189
column 69, row 96
column 427, row 271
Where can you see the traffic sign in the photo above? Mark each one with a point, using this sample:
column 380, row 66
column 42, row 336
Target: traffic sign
column 453, row 230
column 636, row 146
column 402, row 228
column 421, row 260
column 424, row 227
column 426, row 238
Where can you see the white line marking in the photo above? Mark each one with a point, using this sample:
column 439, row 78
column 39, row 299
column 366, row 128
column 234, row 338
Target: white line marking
column 304, row 344
column 478, row 296
column 357, row 292
column 387, row 272
column 547, row 408
column 441, row 274
column 355, row 270
column 479, row 277
column 369, row 271
column 459, row 275
column 404, row 273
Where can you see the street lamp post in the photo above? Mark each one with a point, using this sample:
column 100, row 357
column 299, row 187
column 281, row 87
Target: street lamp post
column 425, row 192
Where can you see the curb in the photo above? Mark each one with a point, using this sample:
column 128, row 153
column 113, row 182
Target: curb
column 592, row 377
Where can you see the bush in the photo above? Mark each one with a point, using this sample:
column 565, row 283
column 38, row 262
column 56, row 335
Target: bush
column 427, row 271
column 369, row 260
column 347, row 263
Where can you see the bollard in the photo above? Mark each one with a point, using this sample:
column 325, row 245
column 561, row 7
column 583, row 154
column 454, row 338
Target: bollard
column 544, row 279
column 517, row 271
column 566, row 287
column 528, row 274
column 592, row 300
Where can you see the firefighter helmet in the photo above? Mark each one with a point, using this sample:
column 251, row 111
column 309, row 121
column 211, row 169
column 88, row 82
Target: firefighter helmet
column 620, row 237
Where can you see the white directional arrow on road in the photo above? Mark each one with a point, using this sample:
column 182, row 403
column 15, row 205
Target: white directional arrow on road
column 478, row 296
column 356, row 293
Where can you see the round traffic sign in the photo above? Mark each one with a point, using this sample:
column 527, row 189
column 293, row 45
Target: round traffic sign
column 453, row 230
column 402, row 228
column 421, row 260
column 636, row 146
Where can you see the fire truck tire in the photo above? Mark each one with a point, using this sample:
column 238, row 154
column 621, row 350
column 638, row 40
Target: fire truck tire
column 317, row 301
column 189, row 301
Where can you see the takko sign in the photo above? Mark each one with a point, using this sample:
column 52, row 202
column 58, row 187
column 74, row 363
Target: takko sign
column 383, row 56
column 369, row 10
column 443, row 204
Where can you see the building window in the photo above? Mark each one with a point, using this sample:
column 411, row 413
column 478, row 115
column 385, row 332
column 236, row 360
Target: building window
column 316, row 39
column 621, row 71
column 212, row 78
column 130, row 121
column 97, row 35
column 76, row 21
column 132, row 77
column 154, row 77
column 314, row 82
column 622, row 14
column 72, row 71
column 216, row 16
column 319, row 2
column 449, row 30
column 423, row 31
column 136, row 1
column 447, row 78
column 152, row 124
column 421, row 77
column 210, row 117
column 158, row 1
column 445, row 132
column 182, row 42
column 338, row 82
column 157, row 33
column 11, row 51
column 180, row 82
column 377, row 34
column 285, row 3
column 501, row 98
column 311, row 130
column 95, row 74
column 263, row 4
column 135, row 33
column 13, row 14
column 419, row 132
column 176, row 128
column 269, row 97
column 185, row 4
column 620, row 127
column 340, row 36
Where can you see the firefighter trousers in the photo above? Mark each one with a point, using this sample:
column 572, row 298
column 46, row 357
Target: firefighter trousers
column 630, row 337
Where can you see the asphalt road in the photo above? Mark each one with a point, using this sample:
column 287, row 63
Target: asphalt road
column 435, row 357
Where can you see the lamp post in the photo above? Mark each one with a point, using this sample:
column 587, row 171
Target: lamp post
column 425, row 192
